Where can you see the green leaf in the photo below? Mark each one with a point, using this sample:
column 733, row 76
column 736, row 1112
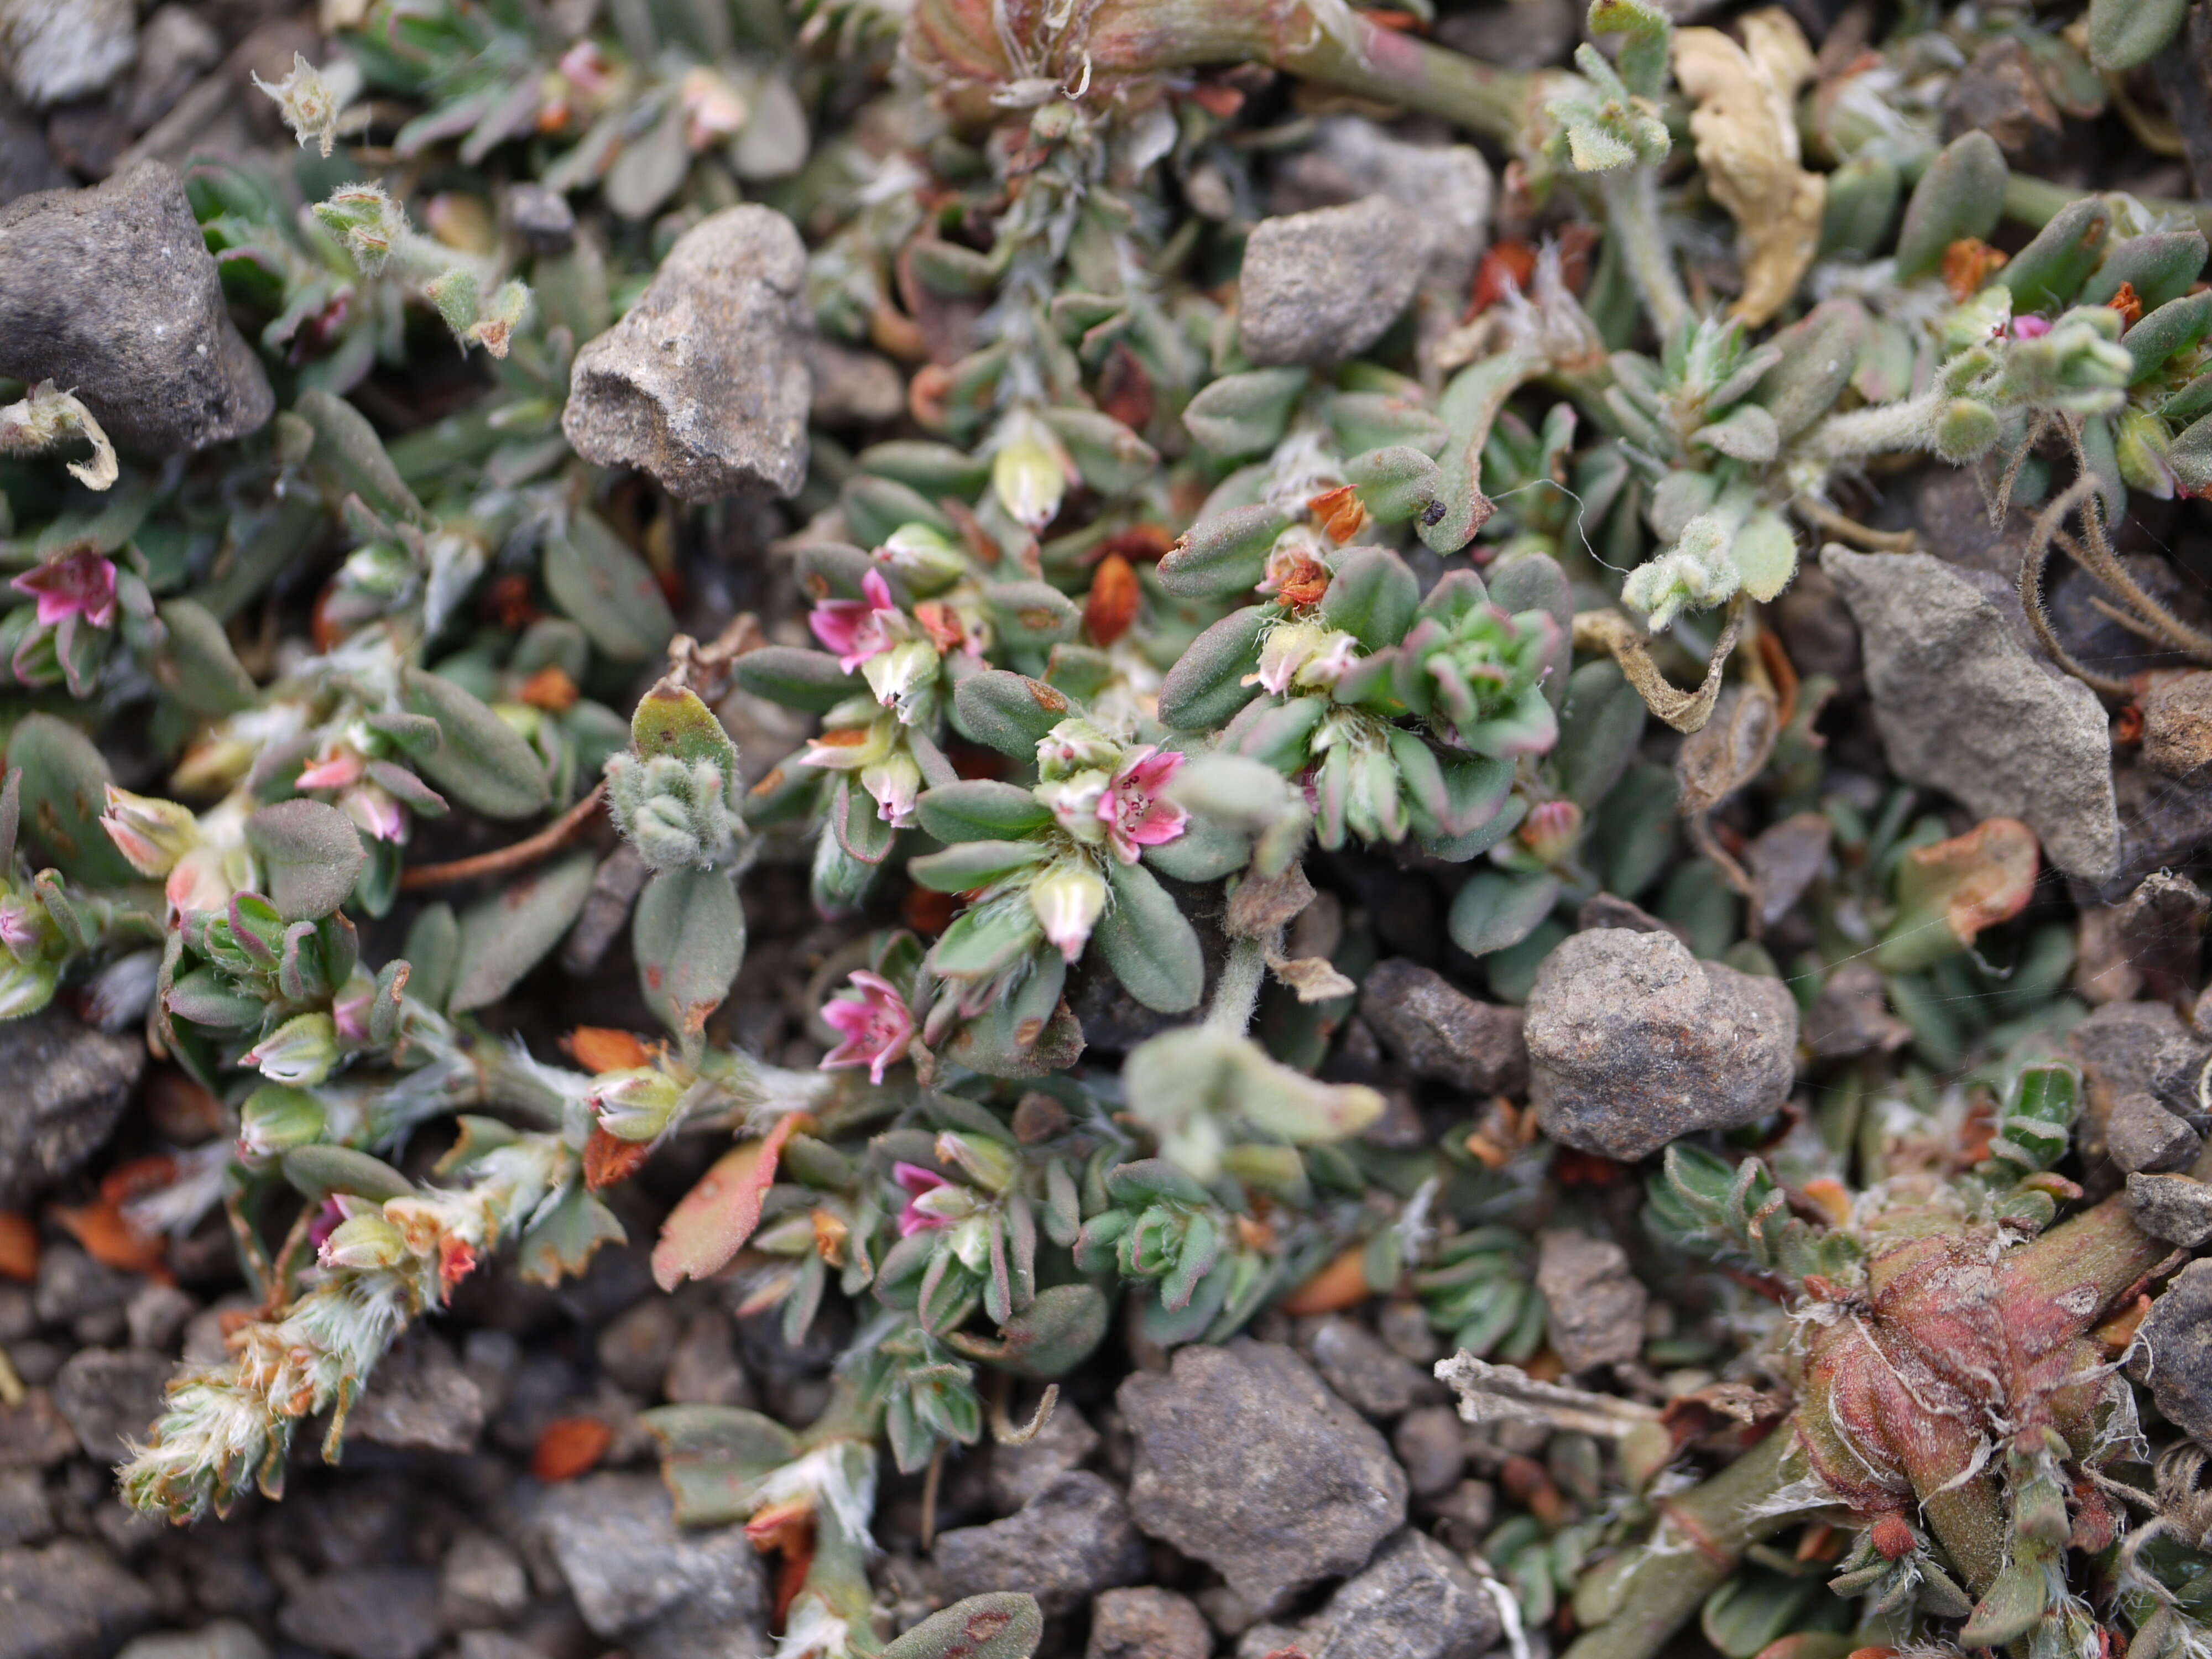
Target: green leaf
column 1371, row 596
column 1495, row 910
column 979, row 809
column 2174, row 326
column 349, row 458
column 1032, row 614
column 1008, row 712
column 1207, row 685
column 2126, row 34
column 1223, row 554
column 196, row 665
column 1600, row 727
column 433, row 945
column 1005, row 1625
column 1961, row 194
column 64, row 790
column 713, row 1457
column 507, row 933
column 1111, row 458
column 689, row 935
column 972, row 863
column 1242, row 414
column 319, row 1170
column 561, row 1243
column 1145, row 940
column 482, row 760
column 2159, row 266
column 607, row 589
column 796, row 679
column 1395, row 483
column 670, row 720
column 2052, row 268
column 310, row 853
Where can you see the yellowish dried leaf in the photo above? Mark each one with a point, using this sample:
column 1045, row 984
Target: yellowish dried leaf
column 1746, row 138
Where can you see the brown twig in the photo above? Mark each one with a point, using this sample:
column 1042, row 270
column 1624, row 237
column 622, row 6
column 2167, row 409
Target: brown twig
column 1848, row 529
column 929, row 1484
column 523, row 853
column 2037, row 554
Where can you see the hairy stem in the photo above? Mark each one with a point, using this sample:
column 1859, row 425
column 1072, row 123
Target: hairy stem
column 1236, row 993
column 1632, row 213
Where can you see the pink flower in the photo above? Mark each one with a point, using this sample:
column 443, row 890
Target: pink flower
column 856, row 629
column 918, row 1182
column 350, row 1013
column 876, row 1026
column 340, row 769
column 19, row 927
column 80, row 585
column 328, row 1219
column 375, row 812
column 2023, row 328
column 1132, row 809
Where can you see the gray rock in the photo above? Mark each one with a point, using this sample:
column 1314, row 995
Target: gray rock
column 634, row 1348
column 176, row 47
column 703, row 1368
column 1415, row 1601
column 68, row 1082
column 661, row 1592
column 1431, row 1449
column 1448, row 186
column 1595, row 1305
column 1147, row 1624
column 481, row 1582
column 71, row 1286
column 2001, row 94
column 2173, row 1351
column 1633, row 1042
column 1245, row 1460
column 1356, row 1363
column 365, row 1612
column 704, row 382
column 109, row 1394
column 67, row 1600
column 1957, row 696
column 541, row 217
column 2173, row 1208
column 32, row 1435
column 1521, row 34
column 854, row 388
column 2122, row 1047
column 26, row 1515
column 1019, row 1473
column 156, row 1315
column 1443, row 1034
column 25, row 163
column 2143, row 1135
column 1320, row 287
column 1785, row 860
column 57, row 50
column 148, row 344
column 495, row 1644
column 222, row 1638
column 2177, row 725
column 1403, row 1325
column 1070, row 1541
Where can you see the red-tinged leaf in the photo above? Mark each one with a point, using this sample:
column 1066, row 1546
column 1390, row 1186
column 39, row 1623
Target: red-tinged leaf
column 19, row 1246
column 607, row 1161
column 570, row 1446
column 1342, row 1284
column 711, row 1223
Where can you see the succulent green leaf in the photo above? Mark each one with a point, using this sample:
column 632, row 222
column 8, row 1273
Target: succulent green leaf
column 310, row 854
column 689, row 935
column 1242, row 414
column 505, row 934
column 1008, row 712
column 607, row 589
column 1145, row 940
column 1206, row 685
column 1223, row 554
column 2126, row 34
column 481, row 761
column 65, row 789
column 1961, row 194
column 1006, row 1625
column 318, row 1171
column 1495, row 910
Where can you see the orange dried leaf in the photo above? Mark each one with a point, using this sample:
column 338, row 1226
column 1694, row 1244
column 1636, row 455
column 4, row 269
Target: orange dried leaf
column 1341, row 1285
column 1828, row 1193
column 109, row 1239
column 1112, row 605
column 1967, row 263
column 2128, row 303
column 570, row 1446
column 602, row 1049
column 552, row 689
column 711, row 1223
column 609, row 1160
column 1975, row 880
column 19, row 1246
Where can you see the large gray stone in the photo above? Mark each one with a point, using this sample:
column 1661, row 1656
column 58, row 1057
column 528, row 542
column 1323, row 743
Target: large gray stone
column 1633, row 1042
column 1245, row 1460
column 2173, row 1351
column 221, row 1638
column 1147, row 1624
column 68, row 1600
column 1448, row 186
column 1442, row 1034
column 704, row 382
column 419, row 1397
column 661, row 1592
column 67, row 1082
column 110, row 1396
column 1416, row 1600
column 1320, row 287
column 365, row 1612
column 61, row 49
column 1596, row 1306
column 110, row 292
column 1070, row 1541
column 1961, row 706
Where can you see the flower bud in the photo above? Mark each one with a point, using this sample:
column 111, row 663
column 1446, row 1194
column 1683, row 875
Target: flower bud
column 2145, row 450
column 301, row 1051
column 1029, row 470
column 896, row 676
column 26, row 986
column 366, row 1241
column 1075, row 745
column 277, row 1118
column 1551, row 830
column 894, row 782
column 926, row 559
column 153, row 834
column 1075, row 801
column 991, row 1164
column 312, row 102
column 634, row 1104
column 1965, row 430
column 1068, row 900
